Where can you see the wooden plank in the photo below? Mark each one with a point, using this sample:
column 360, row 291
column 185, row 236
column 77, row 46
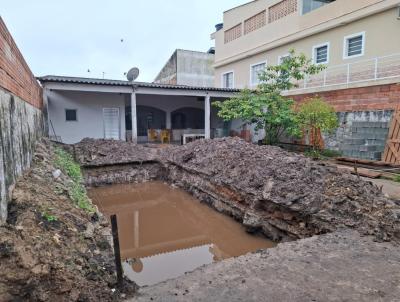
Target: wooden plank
column 361, row 171
column 392, row 149
column 367, row 162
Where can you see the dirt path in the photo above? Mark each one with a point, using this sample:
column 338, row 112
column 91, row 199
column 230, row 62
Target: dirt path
column 341, row 266
column 391, row 188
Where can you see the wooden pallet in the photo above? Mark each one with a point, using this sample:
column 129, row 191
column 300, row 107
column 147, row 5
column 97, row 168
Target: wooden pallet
column 392, row 149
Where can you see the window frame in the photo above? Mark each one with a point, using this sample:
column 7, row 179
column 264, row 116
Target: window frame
column 76, row 114
column 252, row 83
column 282, row 56
column 233, row 79
column 314, row 53
column 346, row 45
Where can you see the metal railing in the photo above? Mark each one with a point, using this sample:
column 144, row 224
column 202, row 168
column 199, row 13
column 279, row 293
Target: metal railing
column 379, row 68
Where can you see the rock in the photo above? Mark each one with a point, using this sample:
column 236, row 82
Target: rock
column 56, row 173
column 88, row 234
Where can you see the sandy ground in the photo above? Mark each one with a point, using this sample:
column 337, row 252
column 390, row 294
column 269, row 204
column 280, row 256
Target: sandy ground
column 341, row 266
column 391, row 188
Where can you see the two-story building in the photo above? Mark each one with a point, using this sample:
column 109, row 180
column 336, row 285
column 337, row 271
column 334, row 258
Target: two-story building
column 359, row 41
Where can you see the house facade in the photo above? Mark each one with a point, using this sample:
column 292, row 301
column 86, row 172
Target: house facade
column 133, row 111
column 187, row 67
column 358, row 41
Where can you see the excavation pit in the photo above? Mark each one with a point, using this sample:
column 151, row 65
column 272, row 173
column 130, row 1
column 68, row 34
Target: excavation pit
column 165, row 232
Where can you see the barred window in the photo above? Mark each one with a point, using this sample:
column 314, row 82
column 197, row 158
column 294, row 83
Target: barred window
column 321, row 54
column 233, row 33
column 354, row 45
column 255, row 22
column 281, row 9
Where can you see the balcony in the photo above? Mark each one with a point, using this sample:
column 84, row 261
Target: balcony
column 372, row 70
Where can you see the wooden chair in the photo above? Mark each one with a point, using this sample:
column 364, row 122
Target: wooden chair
column 165, row 136
column 152, row 135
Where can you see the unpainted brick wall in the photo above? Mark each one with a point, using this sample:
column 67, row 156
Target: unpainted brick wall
column 21, row 117
column 15, row 75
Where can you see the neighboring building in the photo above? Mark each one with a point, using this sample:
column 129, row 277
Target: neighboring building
column 186, row 67
column 359, row 42
column 99, row 108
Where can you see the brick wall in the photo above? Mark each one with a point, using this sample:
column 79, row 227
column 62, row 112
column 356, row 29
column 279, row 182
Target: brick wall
column 372, row 98
column 15, row 75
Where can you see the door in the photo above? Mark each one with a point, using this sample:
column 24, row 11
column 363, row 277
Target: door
column 111, row 122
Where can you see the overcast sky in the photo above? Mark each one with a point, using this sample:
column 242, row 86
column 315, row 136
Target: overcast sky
column 68, row 37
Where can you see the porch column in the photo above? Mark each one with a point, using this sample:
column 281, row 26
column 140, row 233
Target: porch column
column 134, row 117
column 207, row 118
column 168, row 120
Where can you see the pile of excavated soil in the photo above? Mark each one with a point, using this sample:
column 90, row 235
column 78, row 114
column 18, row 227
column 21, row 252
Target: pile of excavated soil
column 51, row 250
column 99, row 152
column 293, row 193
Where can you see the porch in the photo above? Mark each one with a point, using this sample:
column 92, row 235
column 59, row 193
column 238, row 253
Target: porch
column 138, row 112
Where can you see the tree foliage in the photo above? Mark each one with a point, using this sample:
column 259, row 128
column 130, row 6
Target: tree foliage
column 265, row 107
column 316, row 116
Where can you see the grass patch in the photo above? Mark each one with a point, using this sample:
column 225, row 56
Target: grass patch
column 397, row 178
column 48, row 217
column 322, row 154
column 76, row 190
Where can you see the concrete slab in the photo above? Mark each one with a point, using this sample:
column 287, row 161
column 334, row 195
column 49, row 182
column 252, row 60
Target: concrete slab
column 341, row 266
column 390, row 188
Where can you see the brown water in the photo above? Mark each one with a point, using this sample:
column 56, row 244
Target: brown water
column 165, row 232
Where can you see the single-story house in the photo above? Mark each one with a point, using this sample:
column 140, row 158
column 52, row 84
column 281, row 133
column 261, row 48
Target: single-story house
column 137, row 111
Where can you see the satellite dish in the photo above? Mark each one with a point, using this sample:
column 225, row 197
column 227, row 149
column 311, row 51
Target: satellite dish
column 132, row 74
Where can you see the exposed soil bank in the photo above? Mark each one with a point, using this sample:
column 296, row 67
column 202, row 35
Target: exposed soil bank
column 341, row 266
column 50, row 250
column 284, row 195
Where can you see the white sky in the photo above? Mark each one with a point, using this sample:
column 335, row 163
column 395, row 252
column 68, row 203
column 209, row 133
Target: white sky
column 68, row 37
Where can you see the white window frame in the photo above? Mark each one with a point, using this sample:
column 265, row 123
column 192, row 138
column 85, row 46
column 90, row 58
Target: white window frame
column 282, row 56
column 252, row 83
column 65, row 112
column 345, row 45
column 314, row 53
column 233, row 79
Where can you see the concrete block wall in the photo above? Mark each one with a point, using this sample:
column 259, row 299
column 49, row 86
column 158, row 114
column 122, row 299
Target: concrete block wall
column 364, row 114
column 21, row 117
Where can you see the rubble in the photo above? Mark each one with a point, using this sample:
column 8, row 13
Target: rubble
column 50, row 250
column 284, row 195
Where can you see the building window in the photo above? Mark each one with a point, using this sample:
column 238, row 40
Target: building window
column 282, row 59
column 71, row 115
column 354, row 45
column 255, row 71
column 310, row 5
column 233, row 33
column 321, row 54
column 255, row 22
column 227, row 80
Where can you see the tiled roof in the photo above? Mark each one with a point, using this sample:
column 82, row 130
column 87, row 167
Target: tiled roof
column 77, row 80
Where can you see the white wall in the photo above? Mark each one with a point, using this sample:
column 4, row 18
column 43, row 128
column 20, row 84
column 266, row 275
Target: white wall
column 89, row 107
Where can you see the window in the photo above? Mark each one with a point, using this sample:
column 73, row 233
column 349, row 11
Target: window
column 255, row 71
column 321, row 54
column 354, row 45
column 71, row 115
column 227, row 80
column 310, row 5
column 282, row 59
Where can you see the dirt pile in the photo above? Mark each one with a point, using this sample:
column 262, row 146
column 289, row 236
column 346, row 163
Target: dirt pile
column 51, row 250
column 281, row 192
column 98, row 152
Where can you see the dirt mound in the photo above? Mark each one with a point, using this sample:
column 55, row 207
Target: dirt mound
column 291, row 192
column 51, row 250
column 98, row 152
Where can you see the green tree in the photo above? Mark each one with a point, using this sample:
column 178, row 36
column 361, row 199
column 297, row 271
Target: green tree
column 265, row 107
column 316, row 116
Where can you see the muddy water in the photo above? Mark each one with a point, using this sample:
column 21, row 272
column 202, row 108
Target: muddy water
column 165, row 232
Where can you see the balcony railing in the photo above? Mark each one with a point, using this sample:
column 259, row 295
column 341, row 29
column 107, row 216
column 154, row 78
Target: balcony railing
column 380, row 68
